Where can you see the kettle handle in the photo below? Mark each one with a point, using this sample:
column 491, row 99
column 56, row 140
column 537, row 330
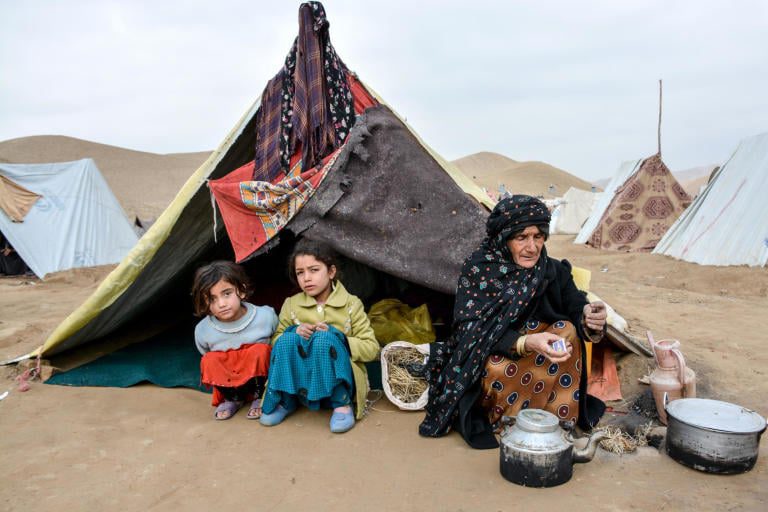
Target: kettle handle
column 508, row 421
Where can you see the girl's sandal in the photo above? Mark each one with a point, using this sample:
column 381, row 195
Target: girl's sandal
column 254, row 412
column 229, row 409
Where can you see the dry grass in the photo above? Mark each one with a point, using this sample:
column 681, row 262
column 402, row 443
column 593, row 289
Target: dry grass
column 618, row 441
column 405, row 386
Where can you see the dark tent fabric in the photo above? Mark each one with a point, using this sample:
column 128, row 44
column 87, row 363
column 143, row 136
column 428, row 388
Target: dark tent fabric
column 389, row 205
column 167, row 359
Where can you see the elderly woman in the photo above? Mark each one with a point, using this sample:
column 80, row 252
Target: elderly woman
column 513, row 304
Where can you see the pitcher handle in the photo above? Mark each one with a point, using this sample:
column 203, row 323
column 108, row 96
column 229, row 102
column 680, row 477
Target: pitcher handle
column 681, row 367
column 652, row 342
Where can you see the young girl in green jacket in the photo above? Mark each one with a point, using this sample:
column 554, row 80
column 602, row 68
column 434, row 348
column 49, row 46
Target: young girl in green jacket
column 322, row 341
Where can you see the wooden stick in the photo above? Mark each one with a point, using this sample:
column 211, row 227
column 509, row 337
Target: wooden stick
column 659, row 130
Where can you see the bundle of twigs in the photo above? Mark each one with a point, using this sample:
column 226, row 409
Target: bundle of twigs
column 619, row 441
column 405, row 386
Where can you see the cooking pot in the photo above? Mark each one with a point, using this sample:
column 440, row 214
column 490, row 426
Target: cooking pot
column 536, row 452
column 713, row 436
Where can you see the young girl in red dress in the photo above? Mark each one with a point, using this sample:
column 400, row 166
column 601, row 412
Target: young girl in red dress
column 234, row 338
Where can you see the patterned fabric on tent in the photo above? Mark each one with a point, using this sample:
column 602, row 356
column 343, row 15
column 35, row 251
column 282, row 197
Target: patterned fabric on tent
column 255, row 211
column 642, row 210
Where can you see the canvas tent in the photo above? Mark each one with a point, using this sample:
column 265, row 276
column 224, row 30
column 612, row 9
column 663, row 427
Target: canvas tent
column 638, row 206
column 72, row 219
column 403, row 217
column 727, row 224
column 572, row 211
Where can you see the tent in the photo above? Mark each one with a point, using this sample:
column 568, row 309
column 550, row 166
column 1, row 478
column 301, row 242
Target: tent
column 727, row 224
column 72, row 219
column 638, row 206
column 402, row 216
column 572, row 211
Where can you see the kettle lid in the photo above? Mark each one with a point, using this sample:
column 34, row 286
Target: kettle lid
column 537, row 420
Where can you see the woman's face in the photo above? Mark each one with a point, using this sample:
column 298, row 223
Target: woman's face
column 525, row 247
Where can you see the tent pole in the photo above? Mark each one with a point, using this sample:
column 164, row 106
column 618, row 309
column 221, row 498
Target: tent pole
column 658, row 132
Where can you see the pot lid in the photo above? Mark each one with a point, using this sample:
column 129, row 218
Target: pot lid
column 537, row 420
column 716, row 415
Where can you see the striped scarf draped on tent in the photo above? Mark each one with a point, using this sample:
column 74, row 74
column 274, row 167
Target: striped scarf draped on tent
column 307, row 105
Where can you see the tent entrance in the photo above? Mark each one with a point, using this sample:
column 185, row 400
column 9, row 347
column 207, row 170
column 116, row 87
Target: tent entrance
column 157, row 346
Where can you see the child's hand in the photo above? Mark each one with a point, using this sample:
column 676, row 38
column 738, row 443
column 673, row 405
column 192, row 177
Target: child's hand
column 321, row 326
column 305, row 330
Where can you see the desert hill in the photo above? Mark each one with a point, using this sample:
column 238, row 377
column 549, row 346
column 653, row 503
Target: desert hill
column 144, row 183
column 490, row 170
column 484, row 163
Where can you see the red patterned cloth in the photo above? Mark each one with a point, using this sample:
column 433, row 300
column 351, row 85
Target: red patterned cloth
column 233, row 368
column 255, row 211
column 642, row 210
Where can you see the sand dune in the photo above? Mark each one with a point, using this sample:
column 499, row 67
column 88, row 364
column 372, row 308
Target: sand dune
column 144, row 183
column 483, row 163
column 490, row 170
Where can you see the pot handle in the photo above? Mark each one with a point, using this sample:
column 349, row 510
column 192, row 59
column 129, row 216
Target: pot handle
column 665, row 400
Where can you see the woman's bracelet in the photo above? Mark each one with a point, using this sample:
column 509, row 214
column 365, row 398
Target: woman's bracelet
column 520, row 346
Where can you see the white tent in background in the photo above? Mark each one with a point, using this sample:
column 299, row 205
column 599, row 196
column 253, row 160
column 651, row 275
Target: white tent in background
column 76, row 223
column 727, row 224
column 626, row 170
column 572, row 211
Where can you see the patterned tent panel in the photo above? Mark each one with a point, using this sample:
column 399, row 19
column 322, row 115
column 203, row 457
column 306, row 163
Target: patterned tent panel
column 642, row 210
column 625, row 171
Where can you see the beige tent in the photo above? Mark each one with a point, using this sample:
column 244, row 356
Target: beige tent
column 572, row 211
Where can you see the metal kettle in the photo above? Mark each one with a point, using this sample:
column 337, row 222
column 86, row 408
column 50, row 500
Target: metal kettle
column 536, row 451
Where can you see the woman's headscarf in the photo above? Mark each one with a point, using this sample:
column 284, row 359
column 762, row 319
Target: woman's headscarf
column 492, row 294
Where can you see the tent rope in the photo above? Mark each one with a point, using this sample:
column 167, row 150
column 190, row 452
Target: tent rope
column 28, row 375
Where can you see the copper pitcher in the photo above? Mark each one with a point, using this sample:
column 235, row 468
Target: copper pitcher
column 671, row 375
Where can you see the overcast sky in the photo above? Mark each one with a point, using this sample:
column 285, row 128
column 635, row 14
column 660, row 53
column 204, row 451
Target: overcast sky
column 571, row 83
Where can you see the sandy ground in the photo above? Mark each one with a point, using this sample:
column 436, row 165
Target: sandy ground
column 148, row 448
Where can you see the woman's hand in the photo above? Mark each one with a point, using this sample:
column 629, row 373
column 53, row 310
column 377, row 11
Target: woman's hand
column 595, row 315
column 541, row 342
column 305, row 330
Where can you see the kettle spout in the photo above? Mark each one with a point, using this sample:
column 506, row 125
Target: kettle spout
column 588, row 452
